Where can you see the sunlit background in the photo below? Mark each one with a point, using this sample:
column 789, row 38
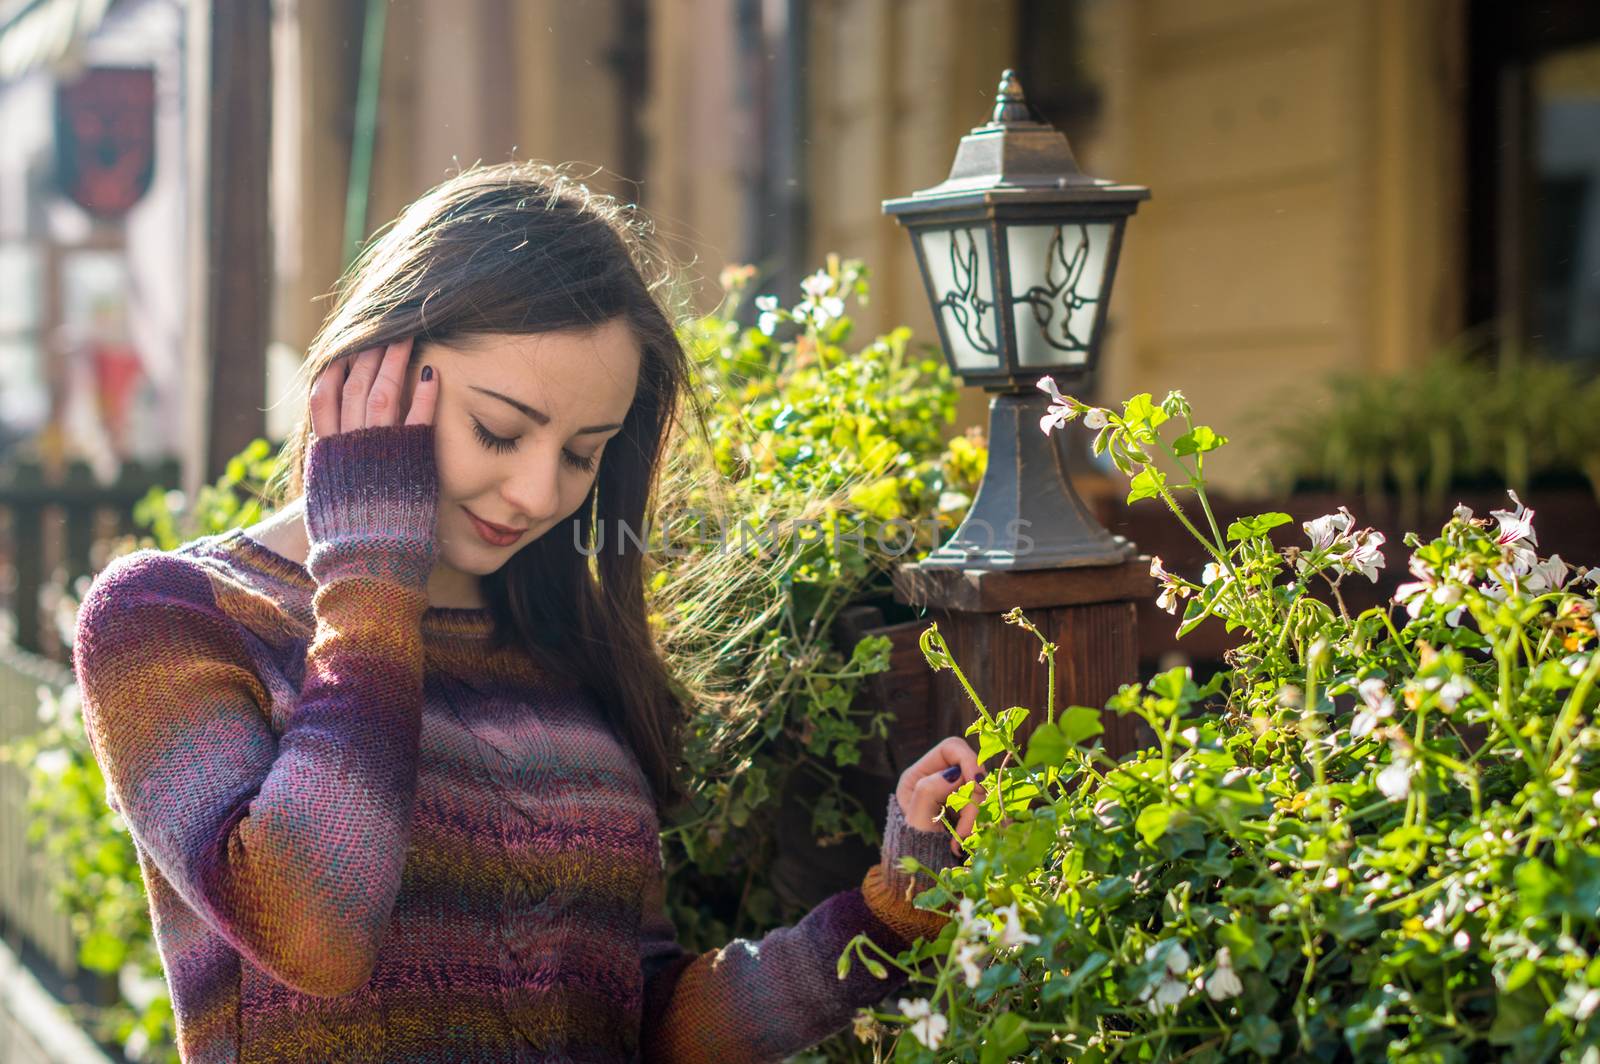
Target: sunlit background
column 1362, row 186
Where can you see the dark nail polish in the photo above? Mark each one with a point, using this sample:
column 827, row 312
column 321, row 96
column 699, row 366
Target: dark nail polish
column 427, row 373
column 982, row 773
column 952, row 773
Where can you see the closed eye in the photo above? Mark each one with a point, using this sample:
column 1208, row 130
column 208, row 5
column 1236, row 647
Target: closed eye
column 491, row 441
column 503, row 444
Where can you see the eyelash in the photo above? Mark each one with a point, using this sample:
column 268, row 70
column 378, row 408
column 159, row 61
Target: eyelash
column 501, row 444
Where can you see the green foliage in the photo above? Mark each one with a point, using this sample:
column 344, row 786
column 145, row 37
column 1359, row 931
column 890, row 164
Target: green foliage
column 234, row 501
column 1460, row 419
column 835, row 453
column 1371, row 837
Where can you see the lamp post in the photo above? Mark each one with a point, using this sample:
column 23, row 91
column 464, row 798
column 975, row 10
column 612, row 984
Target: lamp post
column 1018, row 249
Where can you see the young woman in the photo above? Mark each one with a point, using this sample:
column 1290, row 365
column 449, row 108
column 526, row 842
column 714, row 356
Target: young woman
column 396, row 760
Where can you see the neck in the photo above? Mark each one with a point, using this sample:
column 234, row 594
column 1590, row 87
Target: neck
column 452, row 589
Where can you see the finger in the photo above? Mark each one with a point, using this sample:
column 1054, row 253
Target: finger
column 425, row 398
column 952, row 751
column 927, row 800
column 383, row 401
column 353, row 403
column 325, row 398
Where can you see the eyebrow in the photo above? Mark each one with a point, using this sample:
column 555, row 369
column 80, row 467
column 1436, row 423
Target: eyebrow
column 539, row 416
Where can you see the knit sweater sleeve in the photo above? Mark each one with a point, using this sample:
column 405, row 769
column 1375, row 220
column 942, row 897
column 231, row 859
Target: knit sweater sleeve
column 767, row 999
column 290, row 846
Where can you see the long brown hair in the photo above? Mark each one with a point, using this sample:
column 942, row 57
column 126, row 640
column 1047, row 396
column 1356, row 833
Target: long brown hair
column 527, row 248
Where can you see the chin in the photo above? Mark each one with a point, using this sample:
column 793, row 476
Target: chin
column 476, row 558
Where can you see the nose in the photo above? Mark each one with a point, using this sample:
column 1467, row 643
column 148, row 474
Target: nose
column 535, row 490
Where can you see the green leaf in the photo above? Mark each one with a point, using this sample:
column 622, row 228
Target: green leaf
column 1154, row 820
column 989, row 744
column 102, row 952
column 1078, row 723
column 1061, row 990
column 1257, row 1034
column 1259, row 525
column 1046, row 746
column 1002, row 1037
column 1146, row 484
column 1140, row 410
column 1245, row 943
column 1198, row 440
column 933, row 648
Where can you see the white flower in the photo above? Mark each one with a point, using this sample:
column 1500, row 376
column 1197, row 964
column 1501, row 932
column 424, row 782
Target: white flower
column 1452, row 692
column 1379, row 706
column 768, row 306
column 1173, row 983
column 1063, row 408
column 972, row 926
column 817, row 285
column 1515, row 526
column 1095, row 418
column 1395, row 780
column 1224, row 982
column 1169, row 992
column 1177, row 958
column 967, row 956
column 930, row 1026
column 1324, row 532
column 1172, row 986
column 1211, row 573
column 1462, row 513
column 1012, row 934
column 1355, row 552
column 137, row 1047
column 1548, row 575
column 1415, row 594
column 53, row 762
column 1364, row 556
column 1171, row 589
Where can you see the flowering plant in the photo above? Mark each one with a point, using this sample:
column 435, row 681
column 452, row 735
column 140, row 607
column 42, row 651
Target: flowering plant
column 1371, row 836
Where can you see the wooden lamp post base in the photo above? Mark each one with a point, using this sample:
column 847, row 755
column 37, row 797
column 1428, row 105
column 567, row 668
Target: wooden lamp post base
column 1088, row 612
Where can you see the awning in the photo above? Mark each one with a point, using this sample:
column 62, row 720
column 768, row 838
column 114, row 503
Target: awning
column 34, row 33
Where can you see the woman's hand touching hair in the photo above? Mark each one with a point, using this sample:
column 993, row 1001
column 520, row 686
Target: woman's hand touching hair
column 365, row 390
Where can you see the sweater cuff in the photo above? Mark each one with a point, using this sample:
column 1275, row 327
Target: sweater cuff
column 371, row 501
column 900, row 839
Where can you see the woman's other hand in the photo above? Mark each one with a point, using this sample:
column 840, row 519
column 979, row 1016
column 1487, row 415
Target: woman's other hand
column 934, row 777
column 365, row 390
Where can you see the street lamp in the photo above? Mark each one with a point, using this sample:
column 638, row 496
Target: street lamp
column 1018, row 248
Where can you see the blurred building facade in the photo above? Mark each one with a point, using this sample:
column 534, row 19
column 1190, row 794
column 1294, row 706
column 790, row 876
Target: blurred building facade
column 1335, row 185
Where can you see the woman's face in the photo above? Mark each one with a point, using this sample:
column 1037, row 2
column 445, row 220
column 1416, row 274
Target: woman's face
column 520, row 427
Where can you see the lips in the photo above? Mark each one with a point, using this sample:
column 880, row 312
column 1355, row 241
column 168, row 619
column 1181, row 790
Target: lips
column 496, row 535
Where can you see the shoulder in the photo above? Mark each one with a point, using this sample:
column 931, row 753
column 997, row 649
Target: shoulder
column 145, row 598
column 146, row 577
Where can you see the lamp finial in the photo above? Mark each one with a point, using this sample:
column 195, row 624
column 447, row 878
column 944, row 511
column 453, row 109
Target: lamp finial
column 1010, row 105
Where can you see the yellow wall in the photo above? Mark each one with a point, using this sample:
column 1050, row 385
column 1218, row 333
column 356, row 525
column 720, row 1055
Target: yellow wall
column 1304, row 158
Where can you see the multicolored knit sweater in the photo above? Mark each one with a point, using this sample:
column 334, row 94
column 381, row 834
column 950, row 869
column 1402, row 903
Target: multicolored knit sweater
column 367, row 836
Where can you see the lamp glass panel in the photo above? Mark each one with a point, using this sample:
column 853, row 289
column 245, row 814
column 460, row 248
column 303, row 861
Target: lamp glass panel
column 1058, row 277
column 961, row 288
